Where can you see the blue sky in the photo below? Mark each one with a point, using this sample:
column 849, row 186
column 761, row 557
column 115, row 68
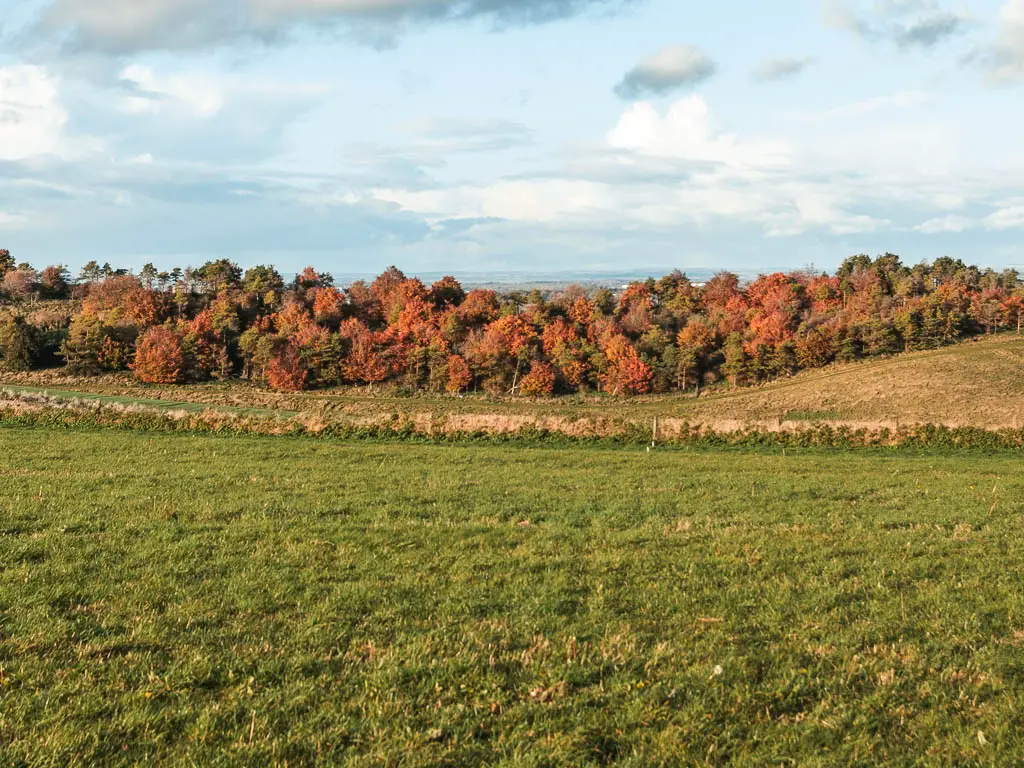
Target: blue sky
column 511, row 135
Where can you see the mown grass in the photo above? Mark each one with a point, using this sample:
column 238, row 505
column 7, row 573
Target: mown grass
column 213, row 601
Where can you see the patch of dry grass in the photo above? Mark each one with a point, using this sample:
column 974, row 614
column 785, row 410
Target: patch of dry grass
column 978, row 384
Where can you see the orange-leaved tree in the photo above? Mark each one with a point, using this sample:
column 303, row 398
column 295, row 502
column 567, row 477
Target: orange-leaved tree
column 459, row 375
column 286, row 370
column 159, row 357
column 539, row 382
column 627, row 373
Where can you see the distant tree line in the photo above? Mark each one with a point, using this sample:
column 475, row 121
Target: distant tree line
column 669, row 334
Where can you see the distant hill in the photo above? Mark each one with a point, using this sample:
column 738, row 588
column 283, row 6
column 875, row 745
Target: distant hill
column 545, row 281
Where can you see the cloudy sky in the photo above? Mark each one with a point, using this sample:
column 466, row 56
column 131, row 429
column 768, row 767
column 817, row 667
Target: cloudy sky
column 511, row 135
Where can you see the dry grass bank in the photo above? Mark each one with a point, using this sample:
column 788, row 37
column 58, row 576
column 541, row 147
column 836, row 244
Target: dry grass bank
column 975, row 384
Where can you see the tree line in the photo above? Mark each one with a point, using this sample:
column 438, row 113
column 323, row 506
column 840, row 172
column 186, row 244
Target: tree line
column 659, row 335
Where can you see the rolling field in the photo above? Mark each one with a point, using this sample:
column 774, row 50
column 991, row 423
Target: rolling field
column 270, row 601
column 973, row 384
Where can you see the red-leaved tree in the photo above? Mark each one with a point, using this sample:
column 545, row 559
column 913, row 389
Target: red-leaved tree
column 159, row 357
column 286, row 371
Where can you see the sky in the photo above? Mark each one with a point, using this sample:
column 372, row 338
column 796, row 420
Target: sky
column 525, row 136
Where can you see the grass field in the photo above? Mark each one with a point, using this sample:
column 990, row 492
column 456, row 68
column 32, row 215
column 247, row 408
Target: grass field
column 211, row 601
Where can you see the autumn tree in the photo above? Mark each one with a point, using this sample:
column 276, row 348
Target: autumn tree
column 695, row 343
column 328, row 307
column 582, row 311
column 626, row 373
column 1013, row 311
column 159, row 357
column 459, row 375
column 363, row 304
column 636, row 306
column 480, row 307
column 54, row 282
column 567, row 350
column 203, row 347
column 814, row 348
column 500, row 353
column 362, row 358
column 20, row 283
column 309, row 282
column 539, row 382
column 720, row 290
column 384, row 290
column 286, row 371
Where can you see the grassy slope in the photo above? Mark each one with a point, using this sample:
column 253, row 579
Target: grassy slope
column 230, row 601
column 161, row 404
column 973, row 384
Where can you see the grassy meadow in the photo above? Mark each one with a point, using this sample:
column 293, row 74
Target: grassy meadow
column 211, row 601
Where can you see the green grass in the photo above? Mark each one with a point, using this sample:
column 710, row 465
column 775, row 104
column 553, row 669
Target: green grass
column 210, row 601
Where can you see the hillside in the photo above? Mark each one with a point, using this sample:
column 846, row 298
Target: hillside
column 978, row 383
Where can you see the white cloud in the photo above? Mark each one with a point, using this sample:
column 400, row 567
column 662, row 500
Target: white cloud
column 945, row 225
column 686, row 131
column 12, row 220
column 1006, row 58
column 1009, row 216
column 436, row 136
column 730, row 180
column 546, row 201
column 199, row 93
column 198, row 115
column 33, row 121
column 901, row 100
